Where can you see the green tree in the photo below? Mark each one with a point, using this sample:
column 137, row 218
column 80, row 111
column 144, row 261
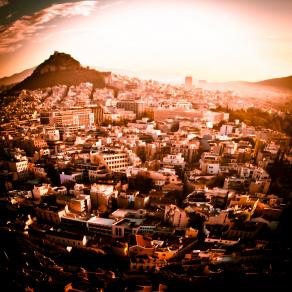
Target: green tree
column 141, row 183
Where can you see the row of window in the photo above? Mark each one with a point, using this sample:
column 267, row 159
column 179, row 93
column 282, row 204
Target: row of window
column 122, row 156
column 118, row 167
column 22, row 168
column 119, row 161
column 99, row 227
column 65, row 241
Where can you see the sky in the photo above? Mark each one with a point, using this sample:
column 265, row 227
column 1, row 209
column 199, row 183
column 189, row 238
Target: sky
column 214, row 40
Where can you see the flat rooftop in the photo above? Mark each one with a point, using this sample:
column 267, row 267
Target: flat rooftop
column 72, row 216
column 101, row 221
column 151, row 222
column 52, row 208
column 129, row 222
column 121, row 213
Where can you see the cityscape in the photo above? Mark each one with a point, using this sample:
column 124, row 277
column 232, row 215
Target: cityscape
column 131, row 159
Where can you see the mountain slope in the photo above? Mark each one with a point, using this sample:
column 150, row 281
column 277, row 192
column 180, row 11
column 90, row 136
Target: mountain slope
column 15, row 78
column 282, row 83
column 61, row 68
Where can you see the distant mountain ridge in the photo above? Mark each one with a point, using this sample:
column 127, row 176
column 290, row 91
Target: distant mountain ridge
column 60, row 68
column 282, row 82
column 16, row 78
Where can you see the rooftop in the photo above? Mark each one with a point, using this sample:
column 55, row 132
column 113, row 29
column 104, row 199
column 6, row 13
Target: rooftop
column 129, row 222
column 101, row 221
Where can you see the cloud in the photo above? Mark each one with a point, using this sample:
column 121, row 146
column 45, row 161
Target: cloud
column 26, row 27
column 3, row 3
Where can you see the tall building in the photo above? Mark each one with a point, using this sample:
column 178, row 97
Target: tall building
column 136, row 106
column 98, row 113
column 188, row 82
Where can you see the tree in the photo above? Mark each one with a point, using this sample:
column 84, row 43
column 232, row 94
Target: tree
column 141, row 183
column 196, row 220
column 141, row 152
column 53, row 174
column 174, row 127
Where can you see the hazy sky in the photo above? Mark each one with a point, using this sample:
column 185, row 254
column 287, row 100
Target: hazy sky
column 217, row 40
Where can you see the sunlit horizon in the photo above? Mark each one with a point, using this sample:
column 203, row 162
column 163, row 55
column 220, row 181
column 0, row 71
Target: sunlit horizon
column 210, row 40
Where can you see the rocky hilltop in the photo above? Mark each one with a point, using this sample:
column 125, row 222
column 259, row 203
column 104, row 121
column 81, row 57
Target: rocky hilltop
column 61, row 68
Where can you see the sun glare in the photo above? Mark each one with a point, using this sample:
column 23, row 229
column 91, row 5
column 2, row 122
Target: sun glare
column 176, row 39
column 180, row 37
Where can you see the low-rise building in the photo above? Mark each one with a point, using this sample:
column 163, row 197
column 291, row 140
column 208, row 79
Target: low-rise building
column 114, row 160
column 100, row 226
column 71, row 176
column 125, row 227
column 175, row 216
column 66, row 238
column 49, row 213
column 40, row 190
column 209, row 163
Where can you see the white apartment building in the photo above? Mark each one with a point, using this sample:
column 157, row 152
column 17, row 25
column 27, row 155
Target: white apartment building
column 51, row 134
column 19, row 167
column 209, row 163
column 174, row 160
column 39, row 191
column 114, row 160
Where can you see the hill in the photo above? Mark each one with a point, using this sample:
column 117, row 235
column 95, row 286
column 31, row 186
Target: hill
column 281, row 83
column 61, row 68
column 16, row 78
